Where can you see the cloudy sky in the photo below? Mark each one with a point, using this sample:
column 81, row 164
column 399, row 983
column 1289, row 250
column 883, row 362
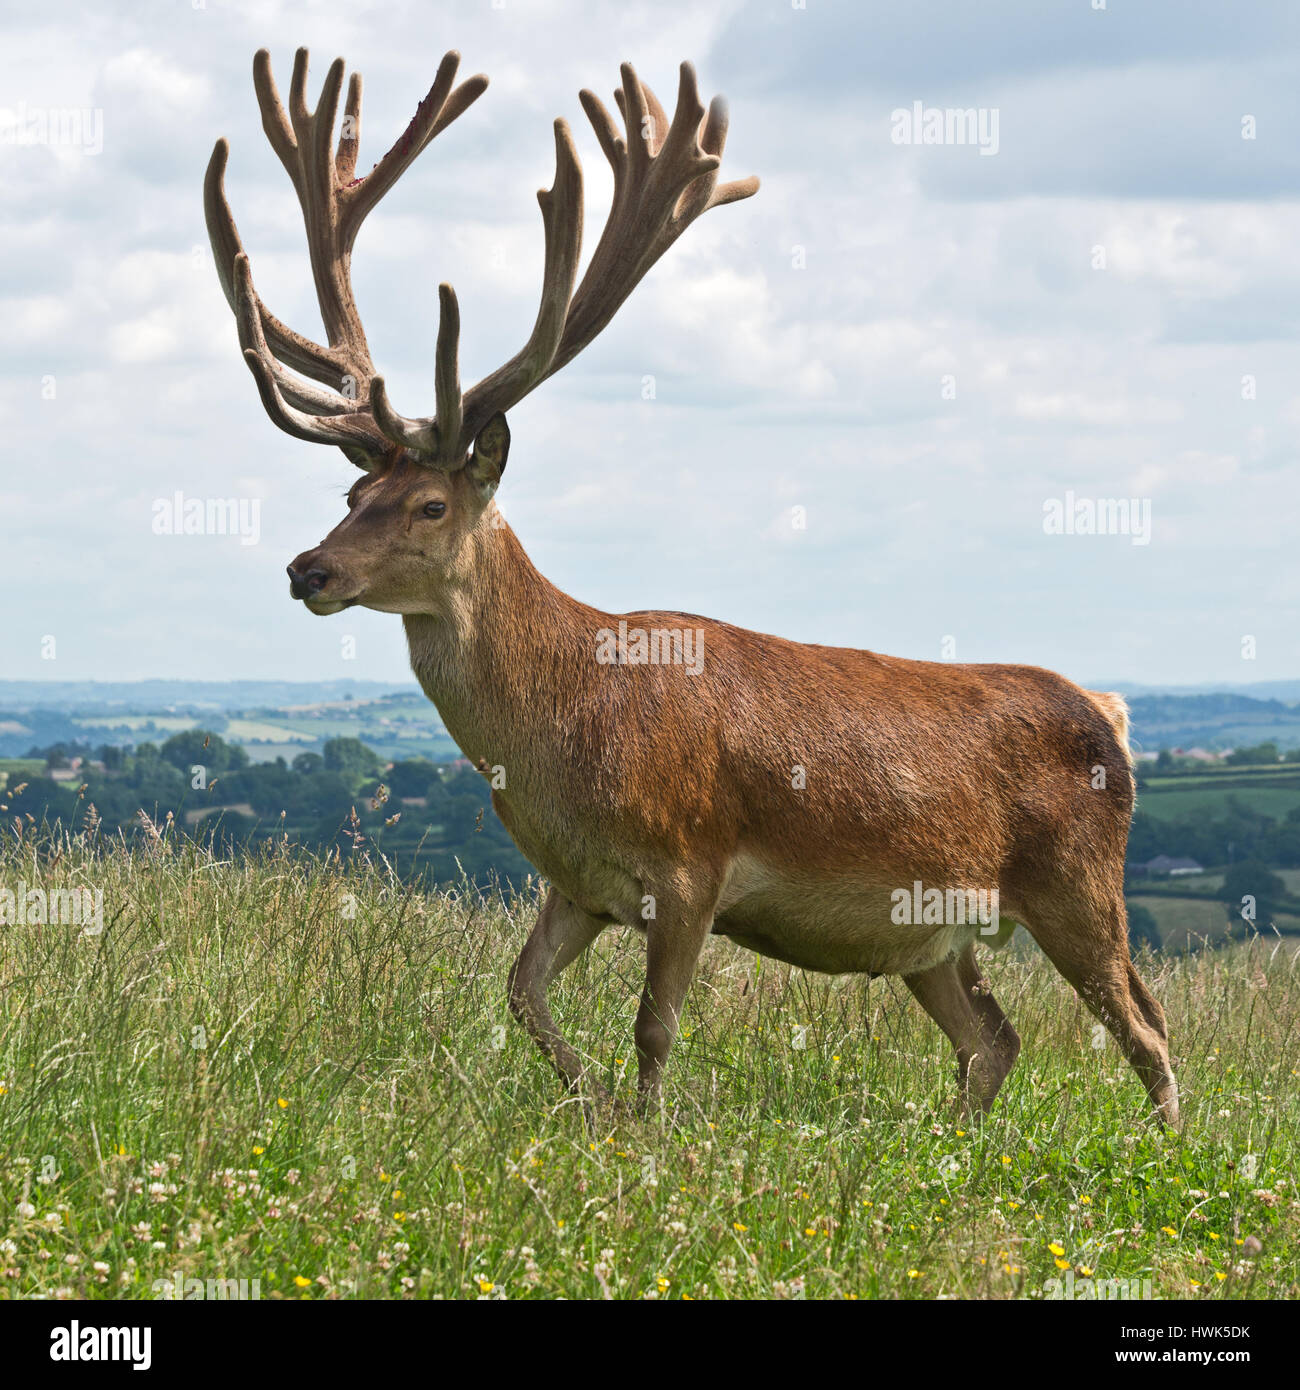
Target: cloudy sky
column 916, row 350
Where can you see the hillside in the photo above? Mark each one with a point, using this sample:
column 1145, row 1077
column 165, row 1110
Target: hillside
column 1211, row 721
column 269, row 719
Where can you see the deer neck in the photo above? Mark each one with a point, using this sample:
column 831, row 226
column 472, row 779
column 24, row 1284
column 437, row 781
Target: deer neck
column 502, row 656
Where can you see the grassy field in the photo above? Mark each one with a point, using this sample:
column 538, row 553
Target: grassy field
column 286, row 1071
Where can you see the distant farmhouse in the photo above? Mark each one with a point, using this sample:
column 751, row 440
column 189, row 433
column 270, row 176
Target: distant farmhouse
column 1165, row 866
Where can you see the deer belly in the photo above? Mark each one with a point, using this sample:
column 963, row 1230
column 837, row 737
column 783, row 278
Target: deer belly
column 838, row 926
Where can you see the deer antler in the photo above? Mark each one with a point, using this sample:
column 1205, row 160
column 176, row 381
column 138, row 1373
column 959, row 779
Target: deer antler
column 334, row 205
column 665, row 176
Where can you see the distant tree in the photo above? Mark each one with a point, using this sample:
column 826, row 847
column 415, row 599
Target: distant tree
column 321, row 796
column 351, row 758
column 1251, row 884
column 155, row 784
column 410, row 777
column 271, row 786
column 111, row 756
column 466, row 782
column 1142, row 929
column 186, row 750
column 307, row 763
column 1164, row 761
column 226, row 830
column 1259, row 753
column 436, row 793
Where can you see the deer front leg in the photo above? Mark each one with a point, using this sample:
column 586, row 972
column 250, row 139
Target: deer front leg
column 563, row 932
column 673, row 944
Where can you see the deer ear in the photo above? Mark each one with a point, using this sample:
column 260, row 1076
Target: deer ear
column 487, row 461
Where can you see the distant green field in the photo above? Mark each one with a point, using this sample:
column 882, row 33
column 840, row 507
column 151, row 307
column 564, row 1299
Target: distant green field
column 1156, row 735
column 1174, row 804
column 1190, row 923
column 242, row 730
column 1183, row 922
column 173, row 723
column 1185, row 886
column 1225, row 771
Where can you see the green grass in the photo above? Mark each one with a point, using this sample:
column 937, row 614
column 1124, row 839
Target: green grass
column 288, row 1071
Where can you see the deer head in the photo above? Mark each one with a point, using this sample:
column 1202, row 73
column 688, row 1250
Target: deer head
column 419, row 516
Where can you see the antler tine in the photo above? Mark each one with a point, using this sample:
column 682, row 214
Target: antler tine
column 345, row 161
column 611, row 142
column 416, row 435
column 321, row 127
column 653, row 131
column 314, row 176
column 439, row 108
column 458, row 103
column 446, row 377
column 683, row 158
column 298, row 114
column 423, row 435
column 632, row 107
column 274, row 121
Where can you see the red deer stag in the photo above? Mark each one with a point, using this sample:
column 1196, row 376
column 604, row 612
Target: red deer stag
column 676, row 774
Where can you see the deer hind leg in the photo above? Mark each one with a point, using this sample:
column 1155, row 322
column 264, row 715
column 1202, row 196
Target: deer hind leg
column 957, row 996
column 1090, row 948
column 562, row 933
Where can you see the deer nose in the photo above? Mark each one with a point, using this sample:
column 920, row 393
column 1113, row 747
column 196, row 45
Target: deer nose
column 304, row 585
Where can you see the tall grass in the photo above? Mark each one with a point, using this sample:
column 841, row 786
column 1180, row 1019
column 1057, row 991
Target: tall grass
column 304, row 1073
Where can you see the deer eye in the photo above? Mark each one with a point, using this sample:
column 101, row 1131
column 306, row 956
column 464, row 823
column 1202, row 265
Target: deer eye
column 435, row 509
